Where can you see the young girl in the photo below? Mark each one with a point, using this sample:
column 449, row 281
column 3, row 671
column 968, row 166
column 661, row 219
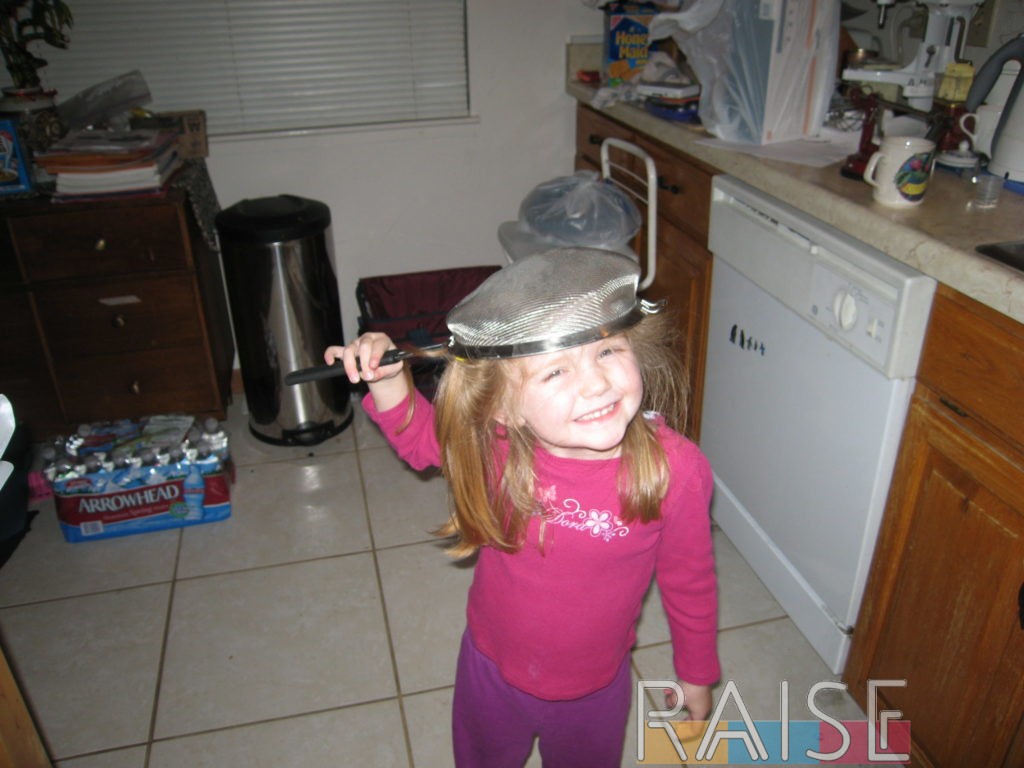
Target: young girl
column 554, row 426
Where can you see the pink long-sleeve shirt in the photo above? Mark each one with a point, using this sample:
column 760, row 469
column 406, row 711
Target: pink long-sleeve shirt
column 558, row 621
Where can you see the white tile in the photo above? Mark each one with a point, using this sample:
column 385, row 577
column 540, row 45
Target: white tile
column 405, row 506
column 742, row 598
column 425, row 594
column 45, row 566
column 89, row 665
column 282, row 512
column 758, row 658
column 133, row 757
column 369, row 734
column 268, row 643
column 652, row 628
column 429, row 720
column 247, row 449
column 366, row 433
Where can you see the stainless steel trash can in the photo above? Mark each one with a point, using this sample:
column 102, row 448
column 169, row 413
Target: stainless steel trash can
column 285, row 309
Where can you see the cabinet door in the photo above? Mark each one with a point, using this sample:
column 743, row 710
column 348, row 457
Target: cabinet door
column 683, row 277
column 942, row 609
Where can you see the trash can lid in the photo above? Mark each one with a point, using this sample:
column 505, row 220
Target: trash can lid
column 273, row 219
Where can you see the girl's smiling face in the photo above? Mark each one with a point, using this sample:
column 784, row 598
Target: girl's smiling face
column 579, row 401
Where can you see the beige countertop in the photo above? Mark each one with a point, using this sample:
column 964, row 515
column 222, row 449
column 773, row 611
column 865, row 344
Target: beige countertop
column 937, row 237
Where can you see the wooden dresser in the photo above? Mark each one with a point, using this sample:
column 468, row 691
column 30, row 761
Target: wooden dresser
column 112, row 309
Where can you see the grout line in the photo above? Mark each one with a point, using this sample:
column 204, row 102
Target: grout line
column 757, row 623
column 264, row 721
column 383, row 606
column 163, row 651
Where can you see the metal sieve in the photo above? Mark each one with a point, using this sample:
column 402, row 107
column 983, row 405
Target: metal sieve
column 542, row 303
column 547, row 302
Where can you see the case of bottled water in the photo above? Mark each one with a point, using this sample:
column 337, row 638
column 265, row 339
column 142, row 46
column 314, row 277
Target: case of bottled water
column 125, row 477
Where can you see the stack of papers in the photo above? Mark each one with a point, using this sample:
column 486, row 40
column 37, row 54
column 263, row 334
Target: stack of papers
column 98, row 163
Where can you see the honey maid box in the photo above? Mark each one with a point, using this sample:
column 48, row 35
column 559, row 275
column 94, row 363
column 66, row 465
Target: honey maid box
column 625, row 40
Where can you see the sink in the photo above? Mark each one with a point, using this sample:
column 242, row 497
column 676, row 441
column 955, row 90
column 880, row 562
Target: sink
column 1011, row 254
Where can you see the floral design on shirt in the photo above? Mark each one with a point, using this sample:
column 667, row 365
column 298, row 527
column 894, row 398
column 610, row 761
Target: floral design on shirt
column 599, row 523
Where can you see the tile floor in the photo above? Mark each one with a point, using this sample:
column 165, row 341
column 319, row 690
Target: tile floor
column 317, row 627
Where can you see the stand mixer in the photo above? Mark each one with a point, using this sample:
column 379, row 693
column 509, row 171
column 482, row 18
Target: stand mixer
column 944, row 36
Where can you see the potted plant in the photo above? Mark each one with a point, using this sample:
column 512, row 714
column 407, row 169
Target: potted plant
column 23, row 22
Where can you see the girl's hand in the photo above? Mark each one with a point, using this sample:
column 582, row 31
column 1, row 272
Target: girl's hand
column 696, row 699
column 387, row 387
column 367, row 350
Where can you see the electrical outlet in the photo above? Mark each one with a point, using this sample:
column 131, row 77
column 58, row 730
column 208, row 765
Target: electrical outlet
column 980, row 29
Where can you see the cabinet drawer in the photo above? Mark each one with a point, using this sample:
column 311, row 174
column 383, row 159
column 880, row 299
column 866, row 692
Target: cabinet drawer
column 120, row 315
column 684, row 191
column 974, row 357
column 593, row 128
column 175, row 380
column 101, row 241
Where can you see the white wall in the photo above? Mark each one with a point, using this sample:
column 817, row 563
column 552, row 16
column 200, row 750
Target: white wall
column 408, row 199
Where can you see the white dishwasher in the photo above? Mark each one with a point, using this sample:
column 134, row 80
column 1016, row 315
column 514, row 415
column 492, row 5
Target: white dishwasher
column 813, row 344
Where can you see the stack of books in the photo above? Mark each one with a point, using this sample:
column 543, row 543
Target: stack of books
column 106, row 163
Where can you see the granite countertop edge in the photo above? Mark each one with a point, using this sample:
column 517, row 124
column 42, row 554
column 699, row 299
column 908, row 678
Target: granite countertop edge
column 847, row 206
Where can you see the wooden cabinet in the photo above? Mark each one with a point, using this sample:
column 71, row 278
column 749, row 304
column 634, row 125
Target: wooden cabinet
column 943, row 607
column 118, row 312
column 683, row 277
column 592, row 128
column 683, row 271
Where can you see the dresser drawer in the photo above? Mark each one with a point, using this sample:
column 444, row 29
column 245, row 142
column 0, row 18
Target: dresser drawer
column 175, row 380
column 974, row 358
column 592, row 129
column 684, row 191
column 120, row 315
column 101, row 241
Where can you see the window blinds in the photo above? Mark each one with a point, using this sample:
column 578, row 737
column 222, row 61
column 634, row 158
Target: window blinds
column 274, row 65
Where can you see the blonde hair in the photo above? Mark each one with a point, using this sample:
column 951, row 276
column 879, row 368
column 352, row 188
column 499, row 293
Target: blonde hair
column 492, row 505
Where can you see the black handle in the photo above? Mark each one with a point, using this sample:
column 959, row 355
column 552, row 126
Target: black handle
column 1020, row 605
column 664, row 185
column 337, row 369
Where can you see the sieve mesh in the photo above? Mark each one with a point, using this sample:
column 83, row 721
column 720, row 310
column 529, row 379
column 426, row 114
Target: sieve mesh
column 554, row 300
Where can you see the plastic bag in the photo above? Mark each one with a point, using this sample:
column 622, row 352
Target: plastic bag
column 582, row 210
column 106, row 103
column 766, row 68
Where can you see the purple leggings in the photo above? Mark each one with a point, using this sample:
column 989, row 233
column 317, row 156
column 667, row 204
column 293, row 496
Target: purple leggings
column 494, row 723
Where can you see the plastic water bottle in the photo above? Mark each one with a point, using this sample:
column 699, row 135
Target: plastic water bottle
column 215, row 435
column 194, row 491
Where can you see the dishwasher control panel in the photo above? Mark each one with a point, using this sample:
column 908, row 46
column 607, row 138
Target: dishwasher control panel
column 863, row 299
column 852, row 312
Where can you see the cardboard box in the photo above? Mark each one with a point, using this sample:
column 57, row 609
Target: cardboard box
column 625, row 40
column 155, row 507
